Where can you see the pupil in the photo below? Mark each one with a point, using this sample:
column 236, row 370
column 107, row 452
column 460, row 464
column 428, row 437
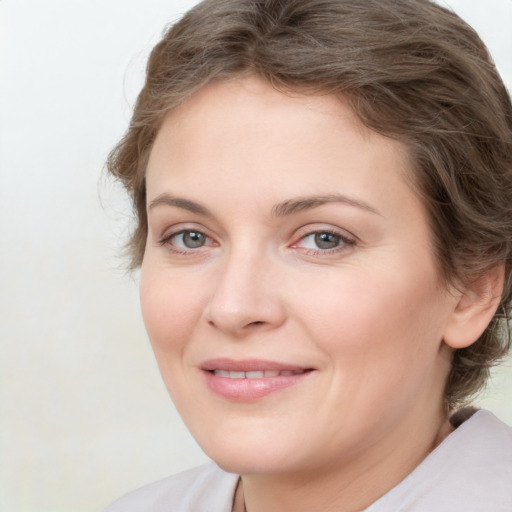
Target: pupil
column 192, row 239
column 326, row 240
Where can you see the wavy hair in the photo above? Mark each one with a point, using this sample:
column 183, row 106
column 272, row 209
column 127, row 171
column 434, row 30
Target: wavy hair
column 411, row 70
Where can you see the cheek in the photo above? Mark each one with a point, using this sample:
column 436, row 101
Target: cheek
column 382, row 318
column 381, row 334
column 170, row 309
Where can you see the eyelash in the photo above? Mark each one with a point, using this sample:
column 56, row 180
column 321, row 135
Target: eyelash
column 344, row 242
column 167, row 239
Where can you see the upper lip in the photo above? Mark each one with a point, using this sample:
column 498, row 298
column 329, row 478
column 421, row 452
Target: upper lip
column 248, row 365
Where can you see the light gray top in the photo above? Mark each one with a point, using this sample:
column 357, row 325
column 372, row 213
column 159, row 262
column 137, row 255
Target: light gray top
column 470, row 471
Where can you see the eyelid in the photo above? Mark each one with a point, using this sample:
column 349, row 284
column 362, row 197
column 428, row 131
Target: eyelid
column 312, row 229
column 347, row 240
column 177, row 229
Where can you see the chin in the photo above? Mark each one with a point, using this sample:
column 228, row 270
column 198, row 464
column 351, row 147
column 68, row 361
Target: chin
column 261, row 452
column 248, row 463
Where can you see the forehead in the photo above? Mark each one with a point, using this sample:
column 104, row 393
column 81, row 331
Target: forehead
column 223, row 113
column 260, row 104
column 244, row 137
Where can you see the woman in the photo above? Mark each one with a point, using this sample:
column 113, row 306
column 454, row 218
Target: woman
column 323, row 193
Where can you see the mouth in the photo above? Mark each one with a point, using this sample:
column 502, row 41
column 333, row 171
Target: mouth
column 250, row 380
column 257, row 374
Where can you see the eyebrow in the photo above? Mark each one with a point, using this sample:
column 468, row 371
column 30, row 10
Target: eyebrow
column 283, row 209
column 306, row 203
column 179, row 202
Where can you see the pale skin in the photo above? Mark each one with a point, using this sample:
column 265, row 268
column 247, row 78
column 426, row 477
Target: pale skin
column 282, row 229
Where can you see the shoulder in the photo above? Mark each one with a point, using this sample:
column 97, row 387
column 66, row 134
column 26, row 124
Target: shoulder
column 484, row 439
column 206, row 488
column 470, row 470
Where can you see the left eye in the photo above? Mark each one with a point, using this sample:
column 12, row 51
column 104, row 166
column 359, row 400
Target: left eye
column 321, row 240
column 324, row 241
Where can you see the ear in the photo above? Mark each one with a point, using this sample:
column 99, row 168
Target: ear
column 475, row 308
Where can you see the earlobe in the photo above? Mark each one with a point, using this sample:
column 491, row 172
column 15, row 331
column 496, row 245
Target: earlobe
column 475, row 309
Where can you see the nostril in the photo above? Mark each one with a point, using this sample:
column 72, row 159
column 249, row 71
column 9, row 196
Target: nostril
column 253, row 325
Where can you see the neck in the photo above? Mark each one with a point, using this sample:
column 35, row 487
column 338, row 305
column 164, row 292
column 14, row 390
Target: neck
column 349, row 485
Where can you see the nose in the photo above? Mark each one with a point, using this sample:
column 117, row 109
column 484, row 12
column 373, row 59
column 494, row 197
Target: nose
column 245, row 297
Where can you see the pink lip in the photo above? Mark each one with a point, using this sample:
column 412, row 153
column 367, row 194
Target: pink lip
column 249, row 390
column 248, row 365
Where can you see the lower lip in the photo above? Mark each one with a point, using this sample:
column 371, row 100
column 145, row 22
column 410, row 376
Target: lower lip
column 249, row 390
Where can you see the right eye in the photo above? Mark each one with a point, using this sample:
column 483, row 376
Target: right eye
column 186, row 240
column 190, row 239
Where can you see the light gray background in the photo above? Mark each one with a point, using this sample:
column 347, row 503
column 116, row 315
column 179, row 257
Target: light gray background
column 84, row 416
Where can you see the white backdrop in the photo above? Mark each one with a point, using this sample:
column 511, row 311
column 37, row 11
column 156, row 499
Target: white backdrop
column 83, row 414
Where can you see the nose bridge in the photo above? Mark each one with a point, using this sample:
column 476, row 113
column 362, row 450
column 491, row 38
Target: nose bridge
column 243, row 296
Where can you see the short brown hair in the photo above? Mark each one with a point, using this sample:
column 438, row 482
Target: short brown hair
column 411, row 70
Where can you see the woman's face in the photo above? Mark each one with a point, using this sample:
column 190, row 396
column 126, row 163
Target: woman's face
column 288, row 286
